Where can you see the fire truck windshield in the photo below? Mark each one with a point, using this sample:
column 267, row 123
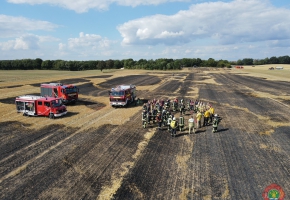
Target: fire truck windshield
column 56, row 103
column 71, row 90
column 117, row 93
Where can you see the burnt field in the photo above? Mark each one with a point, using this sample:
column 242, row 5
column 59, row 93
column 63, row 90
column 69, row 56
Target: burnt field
column 99, row 152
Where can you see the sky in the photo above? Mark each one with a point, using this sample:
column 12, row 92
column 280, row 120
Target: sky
column 144, row 29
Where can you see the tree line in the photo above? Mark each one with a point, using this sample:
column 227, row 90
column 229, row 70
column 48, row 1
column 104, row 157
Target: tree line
column 158, row 64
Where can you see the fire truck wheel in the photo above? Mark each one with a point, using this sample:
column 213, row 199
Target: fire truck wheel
column 51, row 116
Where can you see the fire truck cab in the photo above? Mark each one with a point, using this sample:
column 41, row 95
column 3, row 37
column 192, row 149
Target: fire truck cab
column 68, row 93
column 31, row 105
column 122, row 95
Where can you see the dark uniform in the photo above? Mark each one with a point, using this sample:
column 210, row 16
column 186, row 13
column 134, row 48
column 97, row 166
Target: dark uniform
column 215, row 123
column 159, row 120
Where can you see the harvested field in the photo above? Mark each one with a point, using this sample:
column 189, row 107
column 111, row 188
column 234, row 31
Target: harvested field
column 99, row 152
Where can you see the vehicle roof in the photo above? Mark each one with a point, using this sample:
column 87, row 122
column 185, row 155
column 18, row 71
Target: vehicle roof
column 123, row 87
column 56, row 84
column 34, row 97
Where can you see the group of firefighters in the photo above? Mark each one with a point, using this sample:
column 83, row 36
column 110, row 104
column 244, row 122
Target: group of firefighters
column 162, row 113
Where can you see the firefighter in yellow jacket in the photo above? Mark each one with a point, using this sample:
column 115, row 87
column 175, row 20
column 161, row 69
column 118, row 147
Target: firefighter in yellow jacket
column 206, row 118
column 173, row 125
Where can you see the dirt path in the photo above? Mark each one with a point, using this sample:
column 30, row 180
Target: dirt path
column 98, row 152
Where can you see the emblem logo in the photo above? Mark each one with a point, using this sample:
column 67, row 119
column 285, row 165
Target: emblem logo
column 273, row 192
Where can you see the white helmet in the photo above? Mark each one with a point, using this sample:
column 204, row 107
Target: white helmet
column 216, row 115
column 174, row 118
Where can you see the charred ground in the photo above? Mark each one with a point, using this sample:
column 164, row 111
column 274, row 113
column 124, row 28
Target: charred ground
column 91, row 155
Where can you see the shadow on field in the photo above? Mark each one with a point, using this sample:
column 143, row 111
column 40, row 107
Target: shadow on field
column 101, row 76
column 181, row 134
column 70, row 114
column 140, row 102
column 221, row 130
column 90, row 104
column 199, row 131
column 11, row 86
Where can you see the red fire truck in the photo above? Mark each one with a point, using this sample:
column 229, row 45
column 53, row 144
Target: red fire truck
column 31, row 105
column 68, row 93
column 122, row 95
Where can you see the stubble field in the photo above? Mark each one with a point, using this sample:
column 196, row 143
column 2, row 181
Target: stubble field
column 98, row 152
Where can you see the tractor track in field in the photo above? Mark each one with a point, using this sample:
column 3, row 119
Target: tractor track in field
column 106, row 158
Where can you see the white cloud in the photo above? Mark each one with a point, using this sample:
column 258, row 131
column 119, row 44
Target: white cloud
column 61, row 46
column 88, row 41
column 81, row 6
column 87, row 45
column 279, row 43
column 15, row 26
column 238, row 21
column 25, row 42
column 22, row 43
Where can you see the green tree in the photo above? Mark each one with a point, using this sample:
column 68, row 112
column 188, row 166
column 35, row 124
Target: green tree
column 109, row 64
column 47, row 64
column 274, row 60
column 248, row 61
column 118, row 64
column 187, row 62
column 129, row 63
column 211, row 62
column 284, row 59
column 37, row 63
column 6, row 65
column 101, row 65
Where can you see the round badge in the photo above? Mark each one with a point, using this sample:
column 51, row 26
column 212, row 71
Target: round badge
column 273, row 192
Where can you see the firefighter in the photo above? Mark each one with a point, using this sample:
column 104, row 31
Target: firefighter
column 167, row 113
column 216, row 120
column 191, row 105
column 160, row 108
column 162, row 103
column 188, row 105
column 173, row 125
column 182, row 108
column 157, row 106
column 191, row 125
column 159, row 120
column 169, row 119
column 164, row 117
column 144, row 106
column 167, row 104
column 181, row 123
column 148, row 106
column 206, row 118
column 211, row 110
column 149, row 117
column 198, row 119
column 144, row 118
column 181, row 101
column 196, row 103
column 175, row 105
column 154, row 114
